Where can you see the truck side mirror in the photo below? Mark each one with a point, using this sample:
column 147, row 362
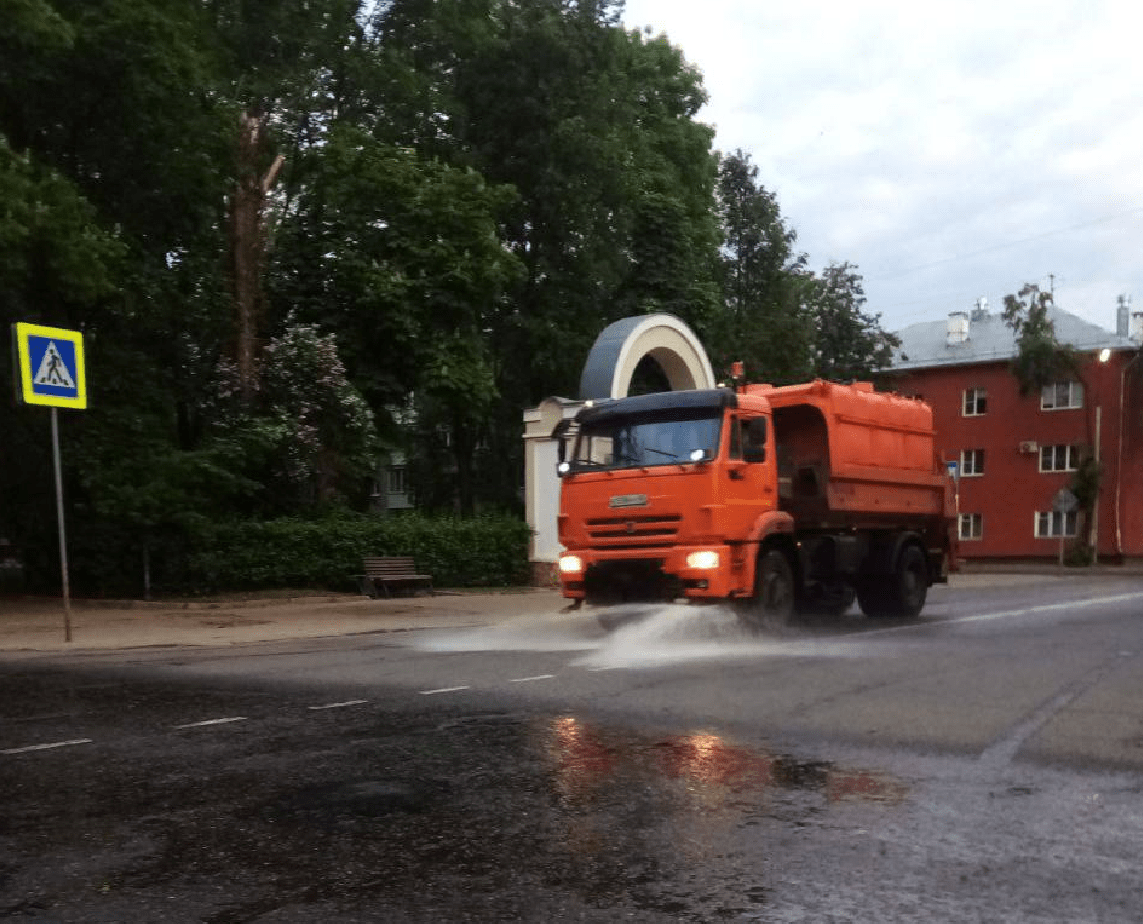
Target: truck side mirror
column 754, row 448
column 559, row 434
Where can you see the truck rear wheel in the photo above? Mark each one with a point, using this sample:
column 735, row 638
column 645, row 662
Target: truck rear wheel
column 772, row 606
column 910, row 585
column 902, row 593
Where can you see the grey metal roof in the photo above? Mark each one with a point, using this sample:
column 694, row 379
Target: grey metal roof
column 991, row 340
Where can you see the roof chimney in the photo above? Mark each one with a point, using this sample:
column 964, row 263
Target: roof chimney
column 958, row 327
column 1123, row 316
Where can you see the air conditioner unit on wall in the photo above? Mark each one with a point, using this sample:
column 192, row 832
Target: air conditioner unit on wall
column 1029, row 446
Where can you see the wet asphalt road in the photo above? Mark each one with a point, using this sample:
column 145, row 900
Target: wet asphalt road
column 985, row 764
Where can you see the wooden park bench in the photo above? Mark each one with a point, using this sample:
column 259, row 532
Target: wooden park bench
column 383, row 574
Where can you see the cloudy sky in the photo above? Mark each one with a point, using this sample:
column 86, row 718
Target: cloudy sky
column 951, row 150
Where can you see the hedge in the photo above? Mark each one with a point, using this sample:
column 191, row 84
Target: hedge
column 485, row 551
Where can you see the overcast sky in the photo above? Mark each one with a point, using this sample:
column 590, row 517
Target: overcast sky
column 951, row 150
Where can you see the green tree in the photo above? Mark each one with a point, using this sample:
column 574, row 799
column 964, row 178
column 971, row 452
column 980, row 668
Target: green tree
column 55, row 260
column 401, row 255
column 763, row 281
column 275, row 61
column 849, row 343
column 1040, row 358
column 595, row 128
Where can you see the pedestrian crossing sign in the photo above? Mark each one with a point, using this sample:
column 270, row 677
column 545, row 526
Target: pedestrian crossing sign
column 49, row 366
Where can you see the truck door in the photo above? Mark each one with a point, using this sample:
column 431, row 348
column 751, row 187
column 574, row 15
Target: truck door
column 751, row 482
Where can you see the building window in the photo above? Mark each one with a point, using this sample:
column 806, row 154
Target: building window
column 398, row 482
column 1061, row 395
column 975, row 402
column 1059, row 458
column 972, row 462
column 1055, row 523
column 971, row 525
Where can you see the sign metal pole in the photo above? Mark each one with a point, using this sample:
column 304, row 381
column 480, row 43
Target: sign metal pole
column 50, row 371
column 60, row 522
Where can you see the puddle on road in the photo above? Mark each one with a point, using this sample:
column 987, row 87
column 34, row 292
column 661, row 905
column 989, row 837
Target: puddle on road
column 641, row 636
column 585, row 758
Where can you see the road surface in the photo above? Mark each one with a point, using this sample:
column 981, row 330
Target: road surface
column 982, row 764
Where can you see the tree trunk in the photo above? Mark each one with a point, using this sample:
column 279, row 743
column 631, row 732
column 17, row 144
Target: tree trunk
column 248, row 245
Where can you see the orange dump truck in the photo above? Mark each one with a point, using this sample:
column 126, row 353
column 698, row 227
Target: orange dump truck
column 778, row 499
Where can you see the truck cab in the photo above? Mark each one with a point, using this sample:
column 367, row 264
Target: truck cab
column 660, row 494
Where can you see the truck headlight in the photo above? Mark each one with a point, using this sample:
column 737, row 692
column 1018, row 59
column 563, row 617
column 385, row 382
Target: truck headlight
column 702, row 561
column 570, row 564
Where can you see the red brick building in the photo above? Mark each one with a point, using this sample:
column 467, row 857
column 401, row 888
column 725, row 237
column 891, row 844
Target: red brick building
column 1015, row 453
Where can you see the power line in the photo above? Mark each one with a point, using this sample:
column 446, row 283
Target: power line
column 996, row 247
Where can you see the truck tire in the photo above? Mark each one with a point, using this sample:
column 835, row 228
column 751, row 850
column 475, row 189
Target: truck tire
column 901, row 593
column 772, row 606
column 831, row 601
column 872, row 599
column 910, row 584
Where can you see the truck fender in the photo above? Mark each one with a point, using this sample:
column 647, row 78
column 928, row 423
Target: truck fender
column 771, row 523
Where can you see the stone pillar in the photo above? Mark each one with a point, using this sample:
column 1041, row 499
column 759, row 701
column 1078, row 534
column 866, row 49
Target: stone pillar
column 542, row 485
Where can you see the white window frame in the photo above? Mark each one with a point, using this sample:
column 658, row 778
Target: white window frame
column 971, row 463
column 397, row 480
column 979, row 400
column 1070, row 455
column 975, row 524
column 1050, row 393
column 1055, row 524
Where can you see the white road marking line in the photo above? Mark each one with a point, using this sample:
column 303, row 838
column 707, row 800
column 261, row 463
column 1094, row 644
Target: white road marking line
column 443, row 690
column 537, row 677
column 1002, row 751
column 1004, row 614
column 45, row 747
column 1048, row 607
column 348, row 702
column 237, row 718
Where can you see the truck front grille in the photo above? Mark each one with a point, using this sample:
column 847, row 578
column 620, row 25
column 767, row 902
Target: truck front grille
column 633, row 531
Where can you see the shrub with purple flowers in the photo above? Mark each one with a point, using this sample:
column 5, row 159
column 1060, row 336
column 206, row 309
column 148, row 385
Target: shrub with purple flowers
column 308, row 425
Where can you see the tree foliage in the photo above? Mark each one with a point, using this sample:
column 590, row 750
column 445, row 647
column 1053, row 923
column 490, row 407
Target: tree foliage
column 763, row 281
column 849, row 343
column 1040, row 358
column 278, row 221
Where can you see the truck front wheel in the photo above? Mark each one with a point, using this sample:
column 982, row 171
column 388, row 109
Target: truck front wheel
column 772, row 606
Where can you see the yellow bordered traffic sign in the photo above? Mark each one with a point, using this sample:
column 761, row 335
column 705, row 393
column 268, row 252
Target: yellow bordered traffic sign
column 50, row 367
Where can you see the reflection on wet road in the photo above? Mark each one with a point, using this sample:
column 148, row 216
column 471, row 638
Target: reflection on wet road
column 587, row 759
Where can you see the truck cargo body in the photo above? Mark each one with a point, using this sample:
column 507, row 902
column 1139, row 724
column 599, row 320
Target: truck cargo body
column 769, row 497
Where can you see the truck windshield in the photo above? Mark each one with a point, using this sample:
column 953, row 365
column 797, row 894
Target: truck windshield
column 663, row 438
